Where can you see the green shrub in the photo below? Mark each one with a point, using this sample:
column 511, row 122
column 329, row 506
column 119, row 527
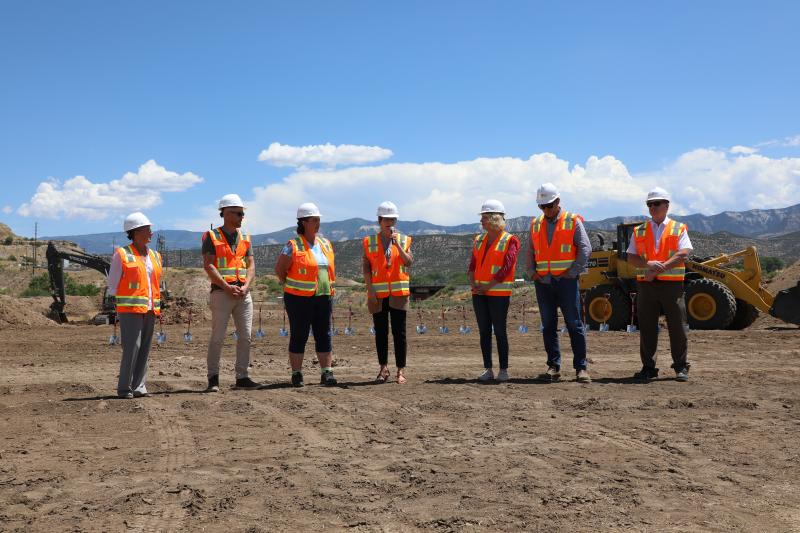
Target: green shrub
column 8, row 240
column 771, row 264
column 40, row 286
column 270, row 285
column 37, row 286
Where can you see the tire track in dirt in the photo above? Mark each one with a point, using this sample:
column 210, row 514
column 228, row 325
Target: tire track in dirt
column 342, row 430
column 293, row 423
column 177, row 452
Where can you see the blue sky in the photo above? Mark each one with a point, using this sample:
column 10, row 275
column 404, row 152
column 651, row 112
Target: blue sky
column 700, row 97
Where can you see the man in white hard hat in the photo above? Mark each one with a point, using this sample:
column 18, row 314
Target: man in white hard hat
column 228, row 261
column 659, row 249
column 560, row 250
column 134, row 279
column 387, row 256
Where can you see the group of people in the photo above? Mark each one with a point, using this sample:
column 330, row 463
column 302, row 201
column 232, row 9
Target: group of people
column 559, row 253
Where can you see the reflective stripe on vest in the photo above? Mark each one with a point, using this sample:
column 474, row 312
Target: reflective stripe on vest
column 490, row 262
column 132, row 290
column 644, row 240
column 230, row 265
column 301, row 280
column 557, row 256
column 387, row 279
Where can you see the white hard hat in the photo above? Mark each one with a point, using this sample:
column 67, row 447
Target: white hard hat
column 135, row 220
column 546, row 193
column 230, row 200
column 657, row 193
column 308, row 210
column 388, row 210
column 493, row 206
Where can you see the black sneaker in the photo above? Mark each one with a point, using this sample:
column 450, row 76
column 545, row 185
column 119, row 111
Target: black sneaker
column 327, row 379
column 682, row 375
column 246, row 383
column 646, row 374
column 213, row 384
column 297, row 379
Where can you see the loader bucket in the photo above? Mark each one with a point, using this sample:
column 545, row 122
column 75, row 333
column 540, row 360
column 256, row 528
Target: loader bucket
column 787, row 305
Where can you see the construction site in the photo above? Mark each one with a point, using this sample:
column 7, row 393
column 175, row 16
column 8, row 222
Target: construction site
column 441, row 453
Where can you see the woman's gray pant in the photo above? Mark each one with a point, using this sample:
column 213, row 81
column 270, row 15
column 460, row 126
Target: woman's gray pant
column 137, row 335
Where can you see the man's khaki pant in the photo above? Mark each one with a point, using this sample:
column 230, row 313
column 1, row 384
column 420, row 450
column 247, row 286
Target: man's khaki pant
column 223, row 306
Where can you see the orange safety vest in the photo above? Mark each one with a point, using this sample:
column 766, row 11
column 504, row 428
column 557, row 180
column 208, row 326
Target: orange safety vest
column 132, row 294
column 486, row 266
column 557, row 256
column 645, row 242
column 389, row 279
column 230, row 265
column 301, row 280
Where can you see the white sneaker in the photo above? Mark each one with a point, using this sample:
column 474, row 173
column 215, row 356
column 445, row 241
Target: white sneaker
column 488, row 375
column 502, row 375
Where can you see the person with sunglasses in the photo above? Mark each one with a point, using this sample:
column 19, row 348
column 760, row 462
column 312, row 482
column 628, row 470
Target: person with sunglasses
column 658, row 250
column 387, row 256
column 560, row 250
column 229, row 264
column 134, row 279
column 306, row 269
column 491, row 275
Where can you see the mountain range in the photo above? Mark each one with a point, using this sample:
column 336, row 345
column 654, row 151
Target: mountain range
column 755, row 223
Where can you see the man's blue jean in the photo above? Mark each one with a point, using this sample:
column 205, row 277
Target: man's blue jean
column 563, row 294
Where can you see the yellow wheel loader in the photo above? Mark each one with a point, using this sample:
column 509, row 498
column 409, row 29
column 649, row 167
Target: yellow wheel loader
column 716, row 297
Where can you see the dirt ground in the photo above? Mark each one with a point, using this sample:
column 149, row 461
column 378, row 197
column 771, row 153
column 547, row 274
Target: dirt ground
column 442, row 453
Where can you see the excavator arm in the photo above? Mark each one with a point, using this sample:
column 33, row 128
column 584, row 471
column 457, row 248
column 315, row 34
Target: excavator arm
column 55, row 269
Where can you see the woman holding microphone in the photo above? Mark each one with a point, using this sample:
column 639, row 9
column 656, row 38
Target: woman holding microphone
column 491, row 274
column 387, row 256
column 134, row 278
column 306, row 269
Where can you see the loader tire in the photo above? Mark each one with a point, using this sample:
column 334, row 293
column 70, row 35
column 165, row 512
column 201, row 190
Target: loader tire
column 709, row 304
column 745, row 315
column 597, row 309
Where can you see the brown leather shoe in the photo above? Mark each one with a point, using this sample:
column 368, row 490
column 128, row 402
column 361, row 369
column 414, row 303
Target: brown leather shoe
column 551, row 376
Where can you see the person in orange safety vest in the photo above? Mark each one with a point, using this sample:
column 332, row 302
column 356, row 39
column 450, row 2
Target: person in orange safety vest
column 560, row 251
column 387, row 257
column 491, row 275
column 134, row 279
column 659, row 248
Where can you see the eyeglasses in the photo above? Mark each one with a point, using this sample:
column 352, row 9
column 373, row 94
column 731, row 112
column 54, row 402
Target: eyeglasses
column 656, row 203
column 239, row 214
column 547, row 206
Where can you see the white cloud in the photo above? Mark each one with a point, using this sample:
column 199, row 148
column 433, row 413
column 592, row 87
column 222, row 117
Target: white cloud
column 786, row 142
column 792, row 141
column 703, row 180
column 7, row 210
column 710, row 181
column 444, row 193
column 80, row 197
column 328, row 155
column 738, row 149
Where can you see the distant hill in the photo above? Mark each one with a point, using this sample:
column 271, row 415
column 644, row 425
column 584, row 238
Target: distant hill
column 448, row 254
column 756, row 223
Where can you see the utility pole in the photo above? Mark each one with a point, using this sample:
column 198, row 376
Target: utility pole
column 35, row 236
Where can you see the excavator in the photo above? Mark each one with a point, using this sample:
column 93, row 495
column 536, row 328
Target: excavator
column 716, row 295
column 56, row 256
